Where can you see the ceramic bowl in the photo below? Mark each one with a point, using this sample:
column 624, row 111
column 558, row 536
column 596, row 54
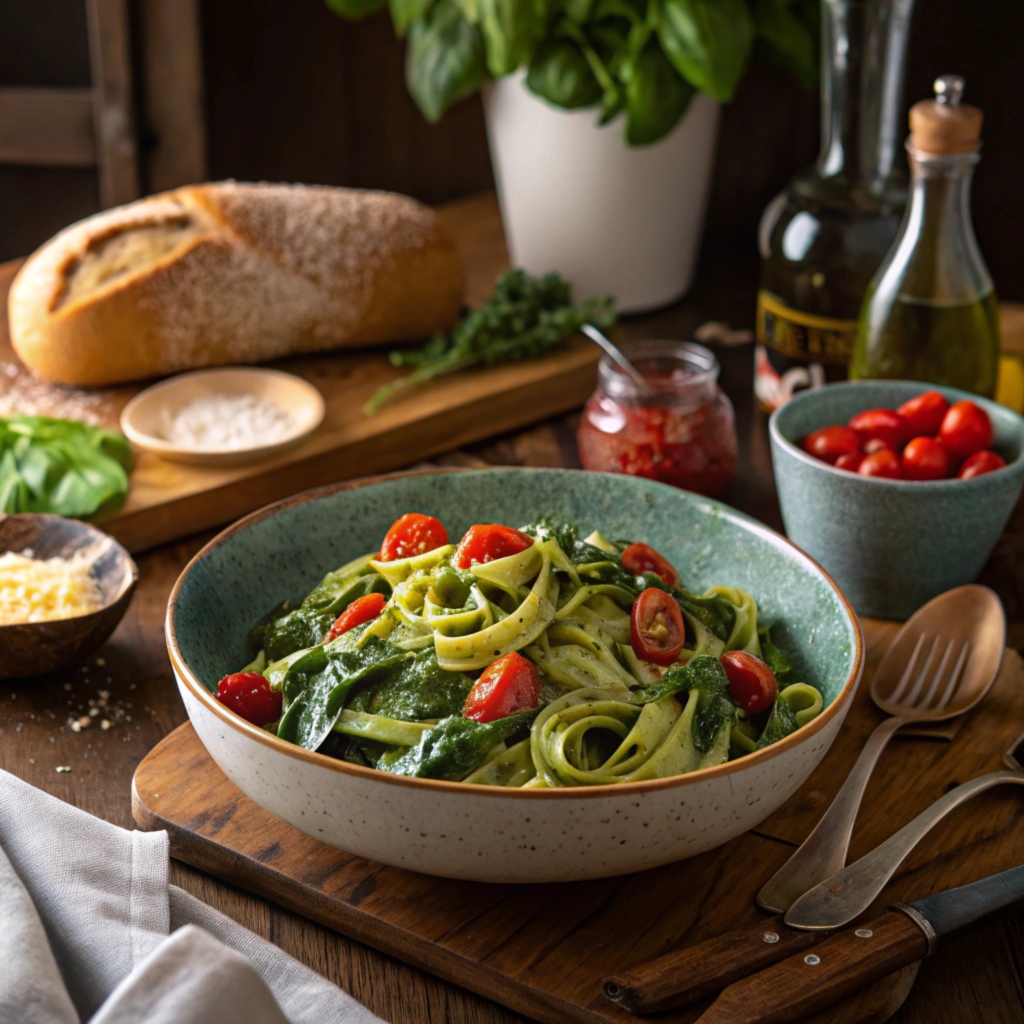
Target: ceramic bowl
column 36, row 648
column 144, row 419
column 485, row 833
column 891, row 545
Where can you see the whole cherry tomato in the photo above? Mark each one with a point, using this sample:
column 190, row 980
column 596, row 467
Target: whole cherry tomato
column 751, row 682
column 882, row 424
column 412, row 534
column 639, row 558
column 362, row 609
column 249, row 695
column 981, row 463
column 884, row 463
column 850, row 461
column 965, row 429
column 829, row 443
column 487, row 542
column 657, row 630
column 925, row 459
column 875, row 444
column 507, row 686
column 924, row 413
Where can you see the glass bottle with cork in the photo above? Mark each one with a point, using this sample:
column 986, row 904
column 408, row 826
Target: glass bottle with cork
column 931, row 312
column 823, row 237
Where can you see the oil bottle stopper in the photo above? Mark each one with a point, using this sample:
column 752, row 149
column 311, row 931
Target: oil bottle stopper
column 944, row 124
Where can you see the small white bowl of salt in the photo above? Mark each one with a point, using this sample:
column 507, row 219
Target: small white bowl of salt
column 223, row 417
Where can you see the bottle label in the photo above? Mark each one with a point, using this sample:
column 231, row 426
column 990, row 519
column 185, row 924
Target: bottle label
column 804, row 337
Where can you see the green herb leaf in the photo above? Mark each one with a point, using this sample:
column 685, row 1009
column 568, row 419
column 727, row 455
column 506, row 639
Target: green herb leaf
column 774, row 658
column 356, row 9
column 788, row 37
column 415, row 691
column 524, row 318
column 656, row 97
column 455, row 746
column 561, row 74
column 511, row 28
column 709, row 42
column 445, row 59
column 781, row 722
column 405, row 12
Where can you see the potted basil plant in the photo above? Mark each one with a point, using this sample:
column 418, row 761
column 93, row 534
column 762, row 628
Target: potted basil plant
column 602, row 117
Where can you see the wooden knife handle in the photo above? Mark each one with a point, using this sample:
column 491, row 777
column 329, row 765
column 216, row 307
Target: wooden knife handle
column 688, row 975
column 806, row 983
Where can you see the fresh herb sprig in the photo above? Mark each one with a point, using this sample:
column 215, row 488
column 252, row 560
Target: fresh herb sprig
column 524, row 318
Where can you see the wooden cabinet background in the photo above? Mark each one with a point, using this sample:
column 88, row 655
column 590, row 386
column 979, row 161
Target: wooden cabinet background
column 295, row 94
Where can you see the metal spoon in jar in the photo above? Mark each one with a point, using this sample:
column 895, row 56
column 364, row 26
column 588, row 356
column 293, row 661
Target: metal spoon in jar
column 613, row 353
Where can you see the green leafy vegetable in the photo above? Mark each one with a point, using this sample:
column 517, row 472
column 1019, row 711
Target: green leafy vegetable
column 774, row 658
column 415, row 691
column 641, row 58
column 445, row 59
column 61, row 466
column 524, row 318
column 781, row 722
column 455, row 746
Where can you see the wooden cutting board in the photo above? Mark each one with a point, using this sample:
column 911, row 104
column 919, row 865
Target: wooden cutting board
column 168, row 500
column 542, row 950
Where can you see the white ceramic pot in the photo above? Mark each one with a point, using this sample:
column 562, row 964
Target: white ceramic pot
column 611, row 218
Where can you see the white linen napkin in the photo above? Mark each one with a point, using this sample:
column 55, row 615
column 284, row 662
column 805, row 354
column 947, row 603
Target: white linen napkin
column 91, row 931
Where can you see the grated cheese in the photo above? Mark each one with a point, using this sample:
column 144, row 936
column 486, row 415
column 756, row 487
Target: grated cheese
column 39, row 590
column 223, row 422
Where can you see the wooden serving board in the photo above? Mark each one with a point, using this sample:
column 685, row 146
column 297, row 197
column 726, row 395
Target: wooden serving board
column 542, row 950
column 168, row 500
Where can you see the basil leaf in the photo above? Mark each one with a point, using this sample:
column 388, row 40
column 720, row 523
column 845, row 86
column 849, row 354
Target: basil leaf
column 774, row 658
column 787, row 39
column 455, row 746
column 445, row 59
column 561, row 74
column 781, row 722
column 578, row 10
column 708, row 41
column 656, row 97
column 355, row 9
column 405, row 12
column 511, row 29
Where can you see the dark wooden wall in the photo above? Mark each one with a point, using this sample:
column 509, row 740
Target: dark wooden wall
column 295, row 94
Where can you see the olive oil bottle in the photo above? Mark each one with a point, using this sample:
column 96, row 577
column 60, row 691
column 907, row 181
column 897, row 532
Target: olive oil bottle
column 823, row 237
column 931, row 312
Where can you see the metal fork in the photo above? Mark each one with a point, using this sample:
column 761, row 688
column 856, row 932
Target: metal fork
column 968, row 627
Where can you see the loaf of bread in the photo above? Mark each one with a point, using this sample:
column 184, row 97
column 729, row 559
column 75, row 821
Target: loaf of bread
column 232, row 273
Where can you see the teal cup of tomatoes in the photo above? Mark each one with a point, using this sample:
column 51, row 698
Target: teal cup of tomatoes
column 899, row 489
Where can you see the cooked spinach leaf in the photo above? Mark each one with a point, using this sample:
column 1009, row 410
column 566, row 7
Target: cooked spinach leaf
column 455, row 746
column 774, row 658
column 414, row 691
column 781, row 722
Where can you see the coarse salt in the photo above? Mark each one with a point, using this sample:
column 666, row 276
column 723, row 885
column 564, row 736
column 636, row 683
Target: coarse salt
column 222, row 422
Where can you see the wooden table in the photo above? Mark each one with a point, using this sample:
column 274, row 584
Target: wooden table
column 976, row 980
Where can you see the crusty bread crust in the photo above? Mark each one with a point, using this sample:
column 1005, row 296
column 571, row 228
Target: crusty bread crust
column 253, row 272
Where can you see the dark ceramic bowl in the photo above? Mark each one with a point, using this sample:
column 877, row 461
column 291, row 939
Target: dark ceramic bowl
column 891, row 545
column 35, row 648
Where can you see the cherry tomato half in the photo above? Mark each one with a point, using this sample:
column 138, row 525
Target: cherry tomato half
column 850, row 461
column 924, row 413
column 412, row 534
column 249, row 695
column 925, row 459
column 751, row 682
column 507, row 686
column 657, row 630
column 487, row 542
column 965, row 429
column 829, row 443
column 882, row 424
column 639, row 558
column 884, row 463
column 362, row 609
column 981, row 463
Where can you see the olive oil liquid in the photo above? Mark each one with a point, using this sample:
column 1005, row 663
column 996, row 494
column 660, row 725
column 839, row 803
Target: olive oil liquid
column 956, row 344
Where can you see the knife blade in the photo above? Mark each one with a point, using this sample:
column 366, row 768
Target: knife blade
column 851, row 960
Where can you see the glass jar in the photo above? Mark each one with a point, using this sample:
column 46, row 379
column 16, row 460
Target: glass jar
column 680, row 432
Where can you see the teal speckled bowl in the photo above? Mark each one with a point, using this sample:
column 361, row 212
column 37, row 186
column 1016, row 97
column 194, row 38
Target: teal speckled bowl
column 891, row 545
column 488, row 833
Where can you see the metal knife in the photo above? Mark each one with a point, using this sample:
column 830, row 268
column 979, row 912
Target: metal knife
column 851, row 960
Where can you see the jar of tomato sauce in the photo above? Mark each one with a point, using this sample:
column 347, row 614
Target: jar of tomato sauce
column 680, row 431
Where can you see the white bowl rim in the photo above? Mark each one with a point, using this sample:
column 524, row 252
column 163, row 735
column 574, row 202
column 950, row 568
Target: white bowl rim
column 210, row 702
column 792, row 448
column 161, row 446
